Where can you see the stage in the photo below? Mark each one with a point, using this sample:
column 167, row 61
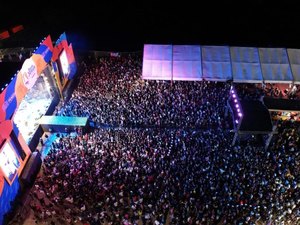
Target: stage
column 62, row 123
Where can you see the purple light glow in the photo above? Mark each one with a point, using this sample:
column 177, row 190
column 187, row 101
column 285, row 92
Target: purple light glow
column 236, row 121
column 236, row 106
column 238, row 110
column 240, row 114
column 235, row 101
column 234, row 95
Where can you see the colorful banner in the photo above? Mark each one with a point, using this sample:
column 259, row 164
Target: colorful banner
column 60, row 44
column 14, row 93
column 72, row 62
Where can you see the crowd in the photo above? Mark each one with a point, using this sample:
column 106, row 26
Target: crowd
column 112, row 92
column 167, row 157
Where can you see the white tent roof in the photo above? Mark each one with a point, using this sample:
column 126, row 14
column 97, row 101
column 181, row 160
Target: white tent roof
column 216, row 63
column 187, row 62
column 275, row 65
column 221, row 63
column 157, row 63
column 245, row 65
column 294, row 58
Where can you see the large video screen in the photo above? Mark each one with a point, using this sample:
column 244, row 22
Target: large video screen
column 9, row 162
column 64, row 63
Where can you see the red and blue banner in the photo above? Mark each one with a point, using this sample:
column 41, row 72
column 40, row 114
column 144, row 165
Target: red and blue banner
column 60, row 44
column 72, row 62
column 14, row 93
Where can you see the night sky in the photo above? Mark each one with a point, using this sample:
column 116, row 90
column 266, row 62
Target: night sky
column 127, row 26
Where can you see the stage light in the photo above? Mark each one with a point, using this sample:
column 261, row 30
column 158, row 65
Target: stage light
column 235, row 101
column 234, row 95
column 236, row 105
column 232, row 91
column 236, row 121
column 238, row 110
column 240, row 114
column 6, row 85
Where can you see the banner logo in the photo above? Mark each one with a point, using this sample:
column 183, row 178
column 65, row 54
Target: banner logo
column 29, row 73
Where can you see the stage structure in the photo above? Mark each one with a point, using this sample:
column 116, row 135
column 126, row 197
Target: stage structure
column 63, row 62
column 33, row 92
column 250, row 117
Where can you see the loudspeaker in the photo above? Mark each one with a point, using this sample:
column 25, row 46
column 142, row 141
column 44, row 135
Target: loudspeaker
column 31, row 169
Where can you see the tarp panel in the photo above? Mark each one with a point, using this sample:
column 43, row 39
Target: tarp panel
column 157, row 63
column 216, row 63
column 245, row 65
column 294, row 58
column 275, row 65
column 187, row 62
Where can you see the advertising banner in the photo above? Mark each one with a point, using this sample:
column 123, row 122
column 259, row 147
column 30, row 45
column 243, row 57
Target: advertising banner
column 72, row 62
column 14, row 93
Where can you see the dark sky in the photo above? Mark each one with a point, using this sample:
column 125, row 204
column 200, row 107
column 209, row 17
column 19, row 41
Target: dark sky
column 127, row 26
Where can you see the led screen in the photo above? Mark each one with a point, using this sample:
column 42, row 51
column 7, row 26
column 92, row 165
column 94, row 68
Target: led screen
column 9, row 162
column 63, row 59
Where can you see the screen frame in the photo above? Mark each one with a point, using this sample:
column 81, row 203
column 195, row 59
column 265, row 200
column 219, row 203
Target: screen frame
column 10, row 181
column 63, row 58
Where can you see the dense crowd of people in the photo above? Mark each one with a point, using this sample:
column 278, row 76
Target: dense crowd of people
column 166, row 156
column 112, row 92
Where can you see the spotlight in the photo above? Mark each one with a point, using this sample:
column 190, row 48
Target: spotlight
column 238, row 110
column 235, row 101
column 232, row 91
column 234, row 95
column 236, row 121
column 236, row 106
column 240, row 114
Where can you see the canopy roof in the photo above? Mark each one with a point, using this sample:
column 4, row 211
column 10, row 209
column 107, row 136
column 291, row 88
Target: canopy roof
column 216, row 63
column 187, row 62
column 294, row 58
column 275, row 65
column 246, row 65
column 221, row 63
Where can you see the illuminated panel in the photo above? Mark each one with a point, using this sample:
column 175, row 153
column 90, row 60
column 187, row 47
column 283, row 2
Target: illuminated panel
column 157, row 62
column 9, row 162
column 63, row 59
column 294, row 58
column 216, row 63
column 187, row 62
column 4, row 35
column 275, row 65
column 245, row 65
